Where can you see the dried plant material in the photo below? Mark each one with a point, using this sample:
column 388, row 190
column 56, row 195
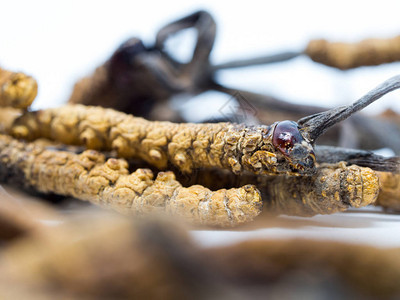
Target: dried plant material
column 284, row 147
column 7, row 117
column 124, row 82
column 332, row 189
column 369, row 52
column 258, row 149
column 389, row 195
column 336, row 270
column 315, row 125
column 105, row 257
column 362, row 158
column 17, row 89
column 88, row 176
column 139, row 79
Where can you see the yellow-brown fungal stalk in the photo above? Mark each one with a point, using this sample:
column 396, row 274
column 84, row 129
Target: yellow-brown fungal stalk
column 333, row 188
column 17, row 89
column 188, row 146
column 389, row 195
column 88, row 176
column 369, row 52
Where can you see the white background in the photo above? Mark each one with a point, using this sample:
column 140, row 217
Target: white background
column 60, row 41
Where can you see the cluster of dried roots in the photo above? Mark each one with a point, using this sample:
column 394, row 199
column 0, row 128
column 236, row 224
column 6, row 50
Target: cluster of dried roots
column 89, row 176
column 260, row 165
column 219, row 175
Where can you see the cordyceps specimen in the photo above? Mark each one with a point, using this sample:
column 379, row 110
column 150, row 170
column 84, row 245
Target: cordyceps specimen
column 389, row 195
column 137, row 78
column 333, row 188
column 369, row 52
column 17, row 89
column 283, row 147
column 340, row 55
column 88, row 176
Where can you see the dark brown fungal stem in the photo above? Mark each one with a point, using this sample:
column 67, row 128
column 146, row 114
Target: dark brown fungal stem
column 139, row 79
column 315, row 125
column 362, row 158
column 262, row 60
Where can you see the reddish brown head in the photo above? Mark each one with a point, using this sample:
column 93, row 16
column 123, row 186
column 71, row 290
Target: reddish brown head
column 298, row 151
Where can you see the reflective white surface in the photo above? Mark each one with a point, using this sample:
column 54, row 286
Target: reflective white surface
column 366, row 226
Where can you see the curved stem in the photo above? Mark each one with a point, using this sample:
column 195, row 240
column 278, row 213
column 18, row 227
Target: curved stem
column 315, row 125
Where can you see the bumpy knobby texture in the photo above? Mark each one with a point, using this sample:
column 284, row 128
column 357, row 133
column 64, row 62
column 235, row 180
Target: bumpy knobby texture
column 332, row 189
column 17, row 89
column 344, row 56
column 88, row 176
column 389, row 195
column 188, row 146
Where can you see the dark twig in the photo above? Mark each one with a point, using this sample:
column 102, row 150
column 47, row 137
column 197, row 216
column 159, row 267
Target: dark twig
column 328, row 154
column 262, row 60
column 315, row 125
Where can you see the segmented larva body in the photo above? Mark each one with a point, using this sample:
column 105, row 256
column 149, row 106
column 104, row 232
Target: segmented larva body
column 332, row 189
column 389, row 195
column 258, row 149
column 17, row 89
column 344, row 56
column 88, row 176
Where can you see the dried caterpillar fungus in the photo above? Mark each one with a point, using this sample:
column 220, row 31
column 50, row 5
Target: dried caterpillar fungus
column 16, row 89
column 333, row 188
column 345, row 56
column 389, row 195
column 88, row 176
column 125, row 82
column 188, row 146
